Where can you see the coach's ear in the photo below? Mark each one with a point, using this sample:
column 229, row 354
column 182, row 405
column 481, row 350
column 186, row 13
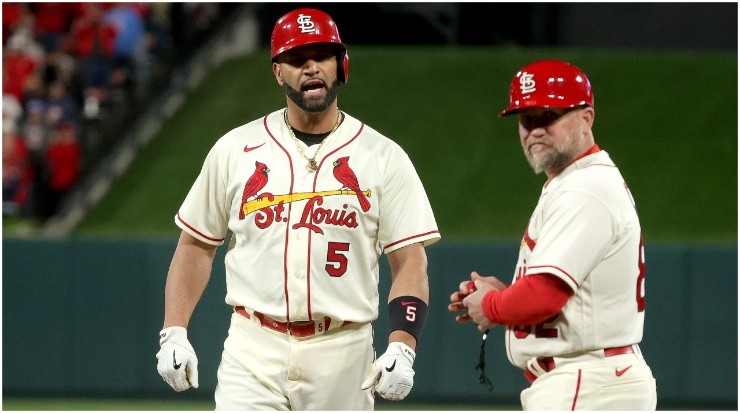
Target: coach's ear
column 588, row 114
column 276, row 70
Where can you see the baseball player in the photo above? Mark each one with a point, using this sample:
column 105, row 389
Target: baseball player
column 312, row 197
column 575, row 310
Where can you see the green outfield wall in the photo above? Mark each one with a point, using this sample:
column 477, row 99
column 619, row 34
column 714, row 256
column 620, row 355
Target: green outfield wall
column 81, row 317
column 667, row 119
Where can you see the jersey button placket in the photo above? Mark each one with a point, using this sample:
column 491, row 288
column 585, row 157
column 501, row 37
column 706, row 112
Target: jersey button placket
column 297, row 260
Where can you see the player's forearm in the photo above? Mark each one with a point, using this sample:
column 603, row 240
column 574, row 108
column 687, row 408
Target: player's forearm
column 409, row 273
column 187, row 278
column 410, row 283
column 418, row 289
column 531, row 300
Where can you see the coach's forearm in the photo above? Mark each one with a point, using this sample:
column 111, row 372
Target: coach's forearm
column 187, row 278
column 529, row 301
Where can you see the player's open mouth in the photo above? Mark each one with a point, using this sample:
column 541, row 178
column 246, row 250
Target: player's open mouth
column 314, row 88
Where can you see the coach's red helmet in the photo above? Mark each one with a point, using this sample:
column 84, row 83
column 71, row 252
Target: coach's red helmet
column 549, row 84
column 306, row 26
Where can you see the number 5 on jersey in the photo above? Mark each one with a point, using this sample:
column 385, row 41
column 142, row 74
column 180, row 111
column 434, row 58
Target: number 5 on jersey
column 336, row 260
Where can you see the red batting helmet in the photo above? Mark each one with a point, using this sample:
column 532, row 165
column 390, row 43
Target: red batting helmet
column 549, row 84
column 306, row 26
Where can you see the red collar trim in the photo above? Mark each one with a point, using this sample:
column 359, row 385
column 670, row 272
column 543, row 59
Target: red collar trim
column 593, row 150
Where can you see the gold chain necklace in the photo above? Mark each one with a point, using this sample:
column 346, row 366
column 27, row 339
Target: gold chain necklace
column 312, row 160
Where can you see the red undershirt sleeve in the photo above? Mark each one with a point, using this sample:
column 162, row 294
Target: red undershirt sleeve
column 531, row 300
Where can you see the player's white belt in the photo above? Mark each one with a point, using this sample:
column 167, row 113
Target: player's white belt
column 539, row 366
column 295, row 329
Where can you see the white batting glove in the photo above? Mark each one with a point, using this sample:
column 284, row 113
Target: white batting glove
column 176, row 360
column 391, row 375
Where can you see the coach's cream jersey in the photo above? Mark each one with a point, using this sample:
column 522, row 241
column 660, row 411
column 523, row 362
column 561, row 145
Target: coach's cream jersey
column 585, row 231
column 307, row 244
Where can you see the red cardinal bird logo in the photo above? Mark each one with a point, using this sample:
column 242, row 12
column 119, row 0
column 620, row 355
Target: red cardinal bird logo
column 254, row 184
column 346, row 176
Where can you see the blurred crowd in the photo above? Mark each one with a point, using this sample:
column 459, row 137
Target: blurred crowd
column 73, row 74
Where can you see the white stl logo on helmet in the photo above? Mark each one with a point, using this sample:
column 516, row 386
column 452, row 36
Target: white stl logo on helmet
column 526, row 83
column 306, row 24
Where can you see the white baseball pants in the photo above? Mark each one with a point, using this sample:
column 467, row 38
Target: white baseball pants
column 262, row 369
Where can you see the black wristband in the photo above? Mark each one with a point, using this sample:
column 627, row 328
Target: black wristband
column 407, row 313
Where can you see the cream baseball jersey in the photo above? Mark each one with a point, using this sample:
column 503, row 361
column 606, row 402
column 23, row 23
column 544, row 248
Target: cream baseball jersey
column 584, row 230
column 307, row 244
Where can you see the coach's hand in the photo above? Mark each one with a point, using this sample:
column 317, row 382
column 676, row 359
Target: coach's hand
column 391, row 375
column 176, row 360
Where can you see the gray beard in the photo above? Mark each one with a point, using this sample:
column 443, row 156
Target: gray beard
column 312, row 105
column 556, row 159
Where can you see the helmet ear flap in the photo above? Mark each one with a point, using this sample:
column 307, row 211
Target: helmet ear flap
column 344, row 71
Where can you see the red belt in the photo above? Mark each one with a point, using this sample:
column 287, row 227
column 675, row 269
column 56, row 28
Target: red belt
column 293, row 328
column 547, row 363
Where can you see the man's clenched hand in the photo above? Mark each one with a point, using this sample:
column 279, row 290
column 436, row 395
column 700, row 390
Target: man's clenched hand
column 176, row 359
column 391, row 375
